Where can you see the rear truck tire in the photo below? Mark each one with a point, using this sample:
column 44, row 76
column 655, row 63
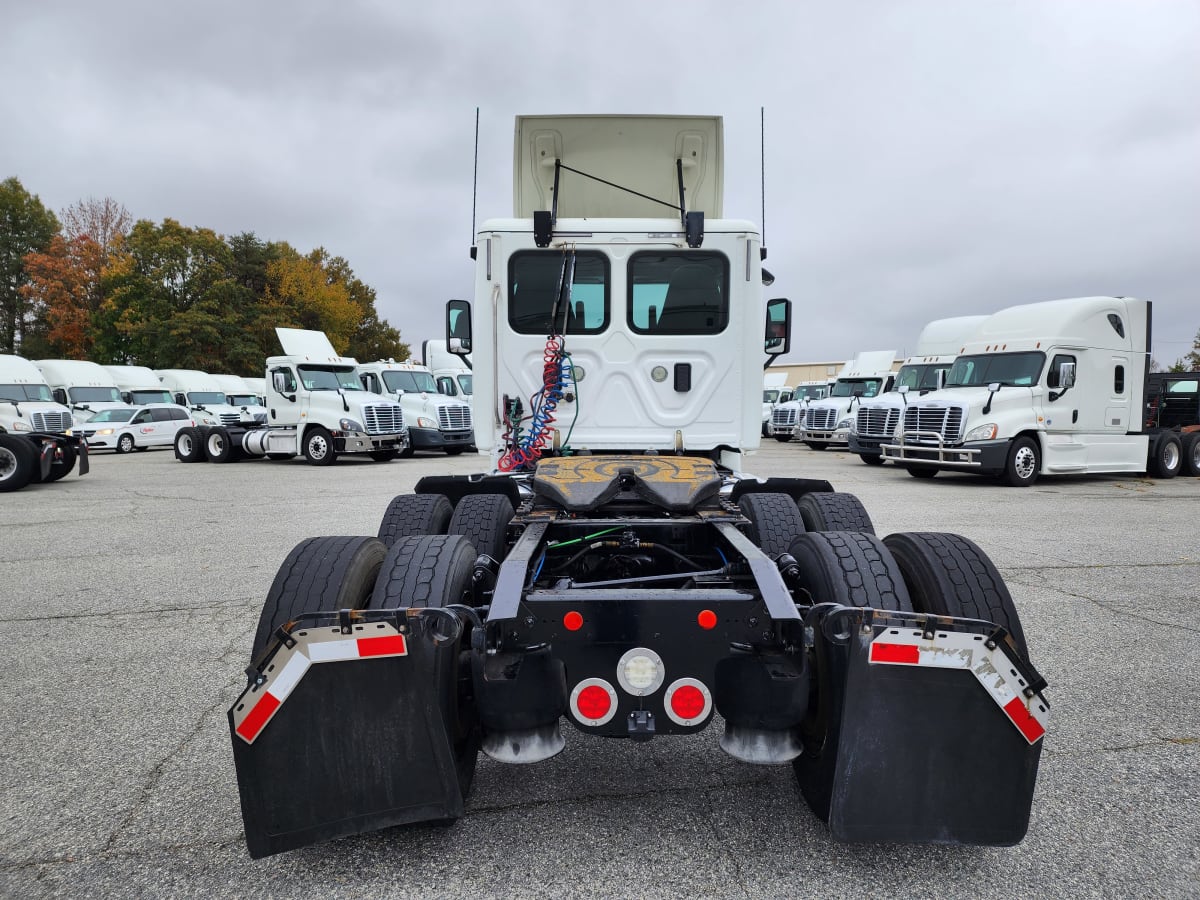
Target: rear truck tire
column 320, row 574
column 18, row 462
column 218, row 446
column 872, row 459
column 949, row 575
column 454, row 451
column 1191, row 454
column 409, row 515
column 318, row 447
column 407, row 452
column 189, row 447
column 783, row 438
column 850, row 568
column 383, row 455
column 434, row 571
column 922, row 471
column 816, row 445
column 828, row 511
column 62, row 463
column 775, row 521
column 1167, row 457
column 1023, row 463
column 483, row 520
column 766, row 430
column 125, row 444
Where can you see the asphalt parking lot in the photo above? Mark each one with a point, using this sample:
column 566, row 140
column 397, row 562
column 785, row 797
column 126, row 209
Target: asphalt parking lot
column 128, row 599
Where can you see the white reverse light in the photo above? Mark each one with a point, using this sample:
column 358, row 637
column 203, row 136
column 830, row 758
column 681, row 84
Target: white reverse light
column 640, row 671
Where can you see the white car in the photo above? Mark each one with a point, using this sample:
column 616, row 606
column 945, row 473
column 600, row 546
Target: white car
column 137, row 428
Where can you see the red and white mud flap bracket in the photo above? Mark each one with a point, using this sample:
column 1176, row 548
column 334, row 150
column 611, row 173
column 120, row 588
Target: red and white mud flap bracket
column 927, row 731
column 346, row 728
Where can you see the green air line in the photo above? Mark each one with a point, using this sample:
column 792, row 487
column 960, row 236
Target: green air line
column 586, row 537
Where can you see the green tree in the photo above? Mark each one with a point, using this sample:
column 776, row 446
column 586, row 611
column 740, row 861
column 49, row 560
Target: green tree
column 1192, row 360
column 26, row 226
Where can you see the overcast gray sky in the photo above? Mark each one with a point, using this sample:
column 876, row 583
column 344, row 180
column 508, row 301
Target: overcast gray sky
column 923, row 159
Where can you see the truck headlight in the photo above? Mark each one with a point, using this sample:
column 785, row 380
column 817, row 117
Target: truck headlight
column 423, row 422
column 982, row 432
column 844, row 424
column 350, row 425
column 21, row 426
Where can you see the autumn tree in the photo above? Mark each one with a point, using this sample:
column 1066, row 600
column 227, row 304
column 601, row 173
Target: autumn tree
column 63, row 295
column 106, row 222
column 26, row 226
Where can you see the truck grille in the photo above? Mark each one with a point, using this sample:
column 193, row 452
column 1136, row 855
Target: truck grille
column 877, row 422
column 821, row 419
column 383, row 418
column 784, row 416
column 947, row 421
column 50, row 421
column 454, row 418
column 230, row 418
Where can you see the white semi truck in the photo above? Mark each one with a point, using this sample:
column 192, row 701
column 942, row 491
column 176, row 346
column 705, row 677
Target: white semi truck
column 775, row 391
column 451, row 371
column 616, row 572
column 85, row 387
column 1050, row 388
column 239, row 393
column 826, row 422
column 316, row 406
column 204, row 396
column 36, row 439
column 788, row 415
column 875, row 422
column 139, row 385
column 435, row 421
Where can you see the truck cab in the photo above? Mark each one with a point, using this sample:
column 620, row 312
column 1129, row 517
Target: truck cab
column 85, row 387
column 827, row 421
column 451, row 372
column 435, row 421
column 787, row 416
column 38, row 443
column 204, row 397
column 139, row 385
column 240, row 394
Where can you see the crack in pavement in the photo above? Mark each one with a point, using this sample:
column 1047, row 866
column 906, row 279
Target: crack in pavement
column 1098, row 566
column 1115, row 610
column 16, row 865
column 732, row 856
column 1158, row 741
column 141, row 613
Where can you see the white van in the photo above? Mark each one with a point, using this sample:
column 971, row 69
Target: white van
column 135, row 428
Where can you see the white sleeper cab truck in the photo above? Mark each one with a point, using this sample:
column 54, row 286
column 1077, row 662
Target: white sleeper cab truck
column 616, row 572
column 451, row 371
column 316, row 407
column 84, row 387
column 37, row 443
column 1050, row 388
column 775, row 391
column 876, row 421
column 239, row 393
column 139, row 385
column 204, row 397
column 827, row 421
column 259, row 388
column 787, row 418
column 435, row 421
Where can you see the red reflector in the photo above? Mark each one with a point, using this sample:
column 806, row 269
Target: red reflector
column 382, row 646
column 572, row 621
column 895, row 653
column 1027, row 724
column 253, row 723
column 707, row 619
column 687, row 702
column 594, row 702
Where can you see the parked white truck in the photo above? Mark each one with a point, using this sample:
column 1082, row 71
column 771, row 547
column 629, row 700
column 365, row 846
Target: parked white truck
column 85, row 387
column 775, row 391
column 1048, row 388
column 451, row 371
column 875, row 422
column 642, row 590
column 36, row 439
column 316, row 406
column 239, row 393
column 788, row 415
column 826, row 422
column 139, row 385
column 435, row 421
column 203, row 395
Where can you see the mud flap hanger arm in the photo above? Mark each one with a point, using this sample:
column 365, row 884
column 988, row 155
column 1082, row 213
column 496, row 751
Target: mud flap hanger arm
column 544, row 221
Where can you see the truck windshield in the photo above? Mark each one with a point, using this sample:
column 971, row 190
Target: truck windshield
column 1013, row 369
column 94, row 395
column 920, row 377
column 809, row 393
column 770, row 396
column 25, row 392
column 198, row 398
column 112, row 415
column 848, row 387
column 139, row 398
column 243, row 400
column 412, row 382
column 329, row 378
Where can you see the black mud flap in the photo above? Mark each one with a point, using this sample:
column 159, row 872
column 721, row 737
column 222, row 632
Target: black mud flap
column 929, row 736
column 347, row 733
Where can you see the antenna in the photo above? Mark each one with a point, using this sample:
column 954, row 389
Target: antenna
column 762, row 169
column 475, row 183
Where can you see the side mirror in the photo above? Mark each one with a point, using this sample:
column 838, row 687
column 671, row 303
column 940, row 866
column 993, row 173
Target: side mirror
column 903, row 389
column 278, row 382
column 939, row 378
column 1066, row 375
column 60, row 396
column 458, row 327
column 778, row 336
